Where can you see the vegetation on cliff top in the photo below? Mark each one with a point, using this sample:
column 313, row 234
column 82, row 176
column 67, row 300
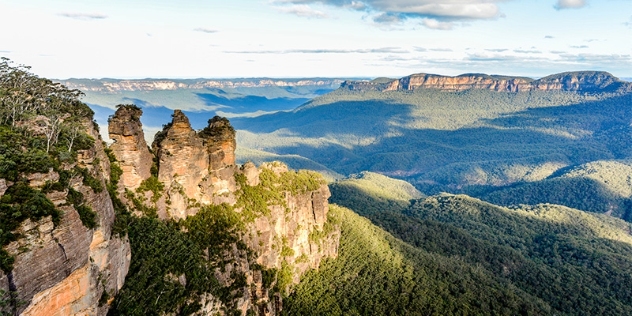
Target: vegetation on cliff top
column 174, row 263
column 41, row 129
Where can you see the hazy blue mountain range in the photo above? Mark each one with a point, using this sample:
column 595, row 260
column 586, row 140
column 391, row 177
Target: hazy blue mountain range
column 462, row 134
column 404, row 248
column 200, row 99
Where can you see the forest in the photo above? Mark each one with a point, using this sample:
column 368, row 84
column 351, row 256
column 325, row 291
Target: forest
column 542, row 259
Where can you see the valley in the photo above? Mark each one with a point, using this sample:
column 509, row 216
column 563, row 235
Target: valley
column 428, row 194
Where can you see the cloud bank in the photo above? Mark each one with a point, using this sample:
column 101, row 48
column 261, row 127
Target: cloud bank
column 570, row 4
column 205, row 30
column 389, row 50
column 305, row 11
column 435, row 14
column 83, row 16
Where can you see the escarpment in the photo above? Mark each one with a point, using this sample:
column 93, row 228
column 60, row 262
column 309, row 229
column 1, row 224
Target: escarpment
column 67, row 262
column 586, row 81
column 258, row 228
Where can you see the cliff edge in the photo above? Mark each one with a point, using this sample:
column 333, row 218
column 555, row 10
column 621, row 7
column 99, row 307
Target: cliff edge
column 585, row 81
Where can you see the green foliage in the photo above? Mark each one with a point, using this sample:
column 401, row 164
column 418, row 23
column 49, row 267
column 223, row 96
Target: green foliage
column 151, row 184
column 329, row 227
column 164, row 253
column 296, row 162
column 284, row 278
column 21, row 202
column 578, row 263
column 139, row 204
column 472, row 142
column 218, row 128
column 376, row 274
column 88, row 216
column 372, row 192
column 89, row 180
column 568, row 261
column 296, row 182
column 122, row 215
column 161, row 254
column 268, row 276
column 20, row 153
column 254, row 199
column 214, row 227
column 286, row 251
column 599, row 186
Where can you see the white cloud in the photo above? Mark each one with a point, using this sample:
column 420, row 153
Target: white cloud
column 570, row 4
column 527, row 51
column 205, row 30
column 434, row 24
column 387, row 18
column 305, row 11
column 436, row 14
column 389, row 50
column 83, row 16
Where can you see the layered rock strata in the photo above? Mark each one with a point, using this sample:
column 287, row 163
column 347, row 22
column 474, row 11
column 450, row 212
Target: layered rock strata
column 569, row 81
column 194, row 167
column 130, row 147
column 65, row 269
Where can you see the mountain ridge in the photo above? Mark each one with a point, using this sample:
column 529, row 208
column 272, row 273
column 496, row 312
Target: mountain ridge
column 150, row 84
column 577, row 81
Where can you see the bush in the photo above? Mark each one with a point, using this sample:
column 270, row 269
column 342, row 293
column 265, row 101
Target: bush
column 88, row 216
column 21, row 202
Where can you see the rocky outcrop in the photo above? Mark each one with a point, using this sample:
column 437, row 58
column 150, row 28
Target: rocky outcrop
column 64, row 268
column 295, row 236
column 290, row 226
column 129, row 146
column 194, row 167
column 570, row 81
column 198, row 168
column 587, row 81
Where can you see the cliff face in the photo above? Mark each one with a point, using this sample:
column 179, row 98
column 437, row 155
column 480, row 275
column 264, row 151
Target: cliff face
column 290, row 234
column 571, row 81
column 65, row 268
column 194, row 167
column 130, row 147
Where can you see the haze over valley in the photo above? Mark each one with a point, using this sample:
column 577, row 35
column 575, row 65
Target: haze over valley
column 316, row 157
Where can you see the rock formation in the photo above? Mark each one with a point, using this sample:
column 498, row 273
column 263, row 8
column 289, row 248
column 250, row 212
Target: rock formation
column 129, row 146
column 69, row 267
column 570, row 81
column 65, row 269
column 198, row 168
column 194, row 167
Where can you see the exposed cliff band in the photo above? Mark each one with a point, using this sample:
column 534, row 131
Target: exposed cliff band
column 568, row 81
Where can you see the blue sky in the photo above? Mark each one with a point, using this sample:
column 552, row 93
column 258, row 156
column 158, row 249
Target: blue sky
column 307, row 38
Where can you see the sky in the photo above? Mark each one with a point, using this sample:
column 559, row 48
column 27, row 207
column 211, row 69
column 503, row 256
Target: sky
column 315, row 38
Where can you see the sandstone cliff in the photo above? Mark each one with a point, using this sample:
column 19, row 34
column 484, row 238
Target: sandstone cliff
column 569, row 81
column 61, row 266
column 194, row 167
column 130, row 147
column 283, row 213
